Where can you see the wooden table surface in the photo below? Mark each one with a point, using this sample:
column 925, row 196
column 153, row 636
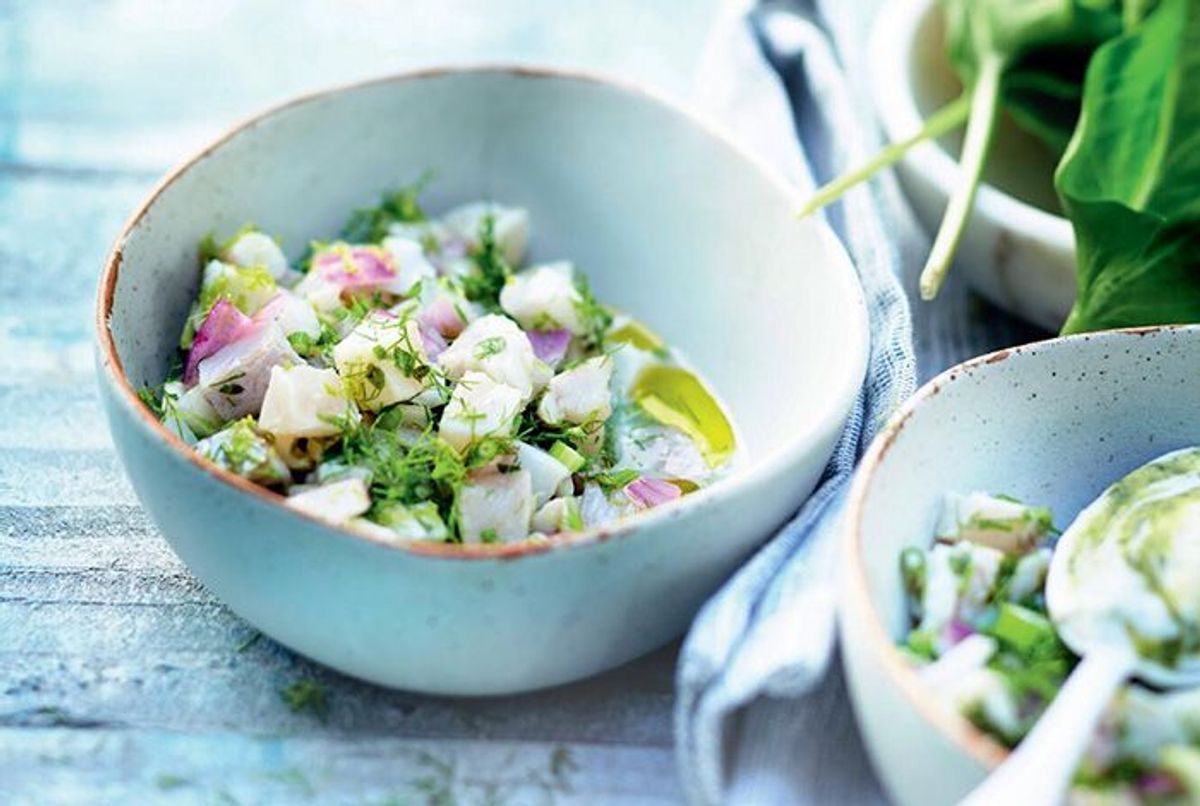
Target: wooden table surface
column 121, row 679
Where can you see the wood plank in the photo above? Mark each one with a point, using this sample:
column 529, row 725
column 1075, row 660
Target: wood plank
column 104, row 765
column 32, row 477
column 100, row 622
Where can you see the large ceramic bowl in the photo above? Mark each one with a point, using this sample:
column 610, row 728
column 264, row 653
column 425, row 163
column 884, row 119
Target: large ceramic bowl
column 1053, row 423
column 1018, row 250
column 674, row 225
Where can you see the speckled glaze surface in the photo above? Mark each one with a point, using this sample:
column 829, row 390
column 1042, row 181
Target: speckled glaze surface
column 1053, row 423
column 615, row 178
column 1018, row 255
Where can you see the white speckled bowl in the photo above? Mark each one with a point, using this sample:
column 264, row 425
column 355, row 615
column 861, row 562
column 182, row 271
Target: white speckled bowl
column 1018, row 252
column 673, row 223
column 1052, row 423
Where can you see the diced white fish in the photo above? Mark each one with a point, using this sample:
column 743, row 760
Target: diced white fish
column 659, row 450
column 985, row 692
column 495, row 346
column 292, row 313
column 579, row 395
column 496, row 507
column 1029, row 576
column 334, row 503
column 988, row 520
column 968, row 655
column 257, row 249
column 545, row 298
column 959, row 580
column 597, row 507
column 479, row 407
column 302, row 401
column 511, row 227
column 408, row 259
column 376, row 380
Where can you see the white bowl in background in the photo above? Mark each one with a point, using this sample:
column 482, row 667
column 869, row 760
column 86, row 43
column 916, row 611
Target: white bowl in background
column 1018, row 252
column 674, row 224
column 1053, row 423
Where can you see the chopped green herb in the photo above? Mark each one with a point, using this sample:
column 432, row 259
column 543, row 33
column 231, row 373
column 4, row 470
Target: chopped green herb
column 491, row 268
column 370, row 224
column 309, row 695
column 489, row 347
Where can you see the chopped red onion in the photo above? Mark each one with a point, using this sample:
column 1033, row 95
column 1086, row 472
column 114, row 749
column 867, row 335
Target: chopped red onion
column 1158, row 783
column 223, row 325
column 647, row 492
column 550, row 345
column 356, row 268
column 442, row 316
column 955, row 631
column 432, row 340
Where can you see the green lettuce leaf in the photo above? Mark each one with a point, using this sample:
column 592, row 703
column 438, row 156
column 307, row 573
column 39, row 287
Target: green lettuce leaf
column 1130, row 179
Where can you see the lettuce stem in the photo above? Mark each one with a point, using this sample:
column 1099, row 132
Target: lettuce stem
column 950, row 117
column 985, row 106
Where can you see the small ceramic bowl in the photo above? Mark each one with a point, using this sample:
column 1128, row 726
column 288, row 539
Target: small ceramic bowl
column 1018, row 251
column 1052, row 423
column 674, row 225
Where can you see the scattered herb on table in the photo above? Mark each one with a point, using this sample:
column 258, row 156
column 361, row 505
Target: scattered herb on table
column 309, row 695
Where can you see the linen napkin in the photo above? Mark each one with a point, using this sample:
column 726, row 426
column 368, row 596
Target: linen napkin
column 788, row 81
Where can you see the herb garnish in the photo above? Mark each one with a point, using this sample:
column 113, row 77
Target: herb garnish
column 491, row 268
column 309, row 695
column 370, row 224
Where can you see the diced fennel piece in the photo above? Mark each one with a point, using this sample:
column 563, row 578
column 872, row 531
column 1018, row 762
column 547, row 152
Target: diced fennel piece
column 570, row 458
column 187, row 412
column 546, row 473
column 559, row 515
column 411, row 521
column 240, row 449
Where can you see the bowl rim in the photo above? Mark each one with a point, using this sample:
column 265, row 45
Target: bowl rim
column 842, row 392
column 977, row 744
column 892, row 40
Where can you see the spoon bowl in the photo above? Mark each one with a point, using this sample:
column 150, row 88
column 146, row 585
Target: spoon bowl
column 1113, row 591
column 1101, row 603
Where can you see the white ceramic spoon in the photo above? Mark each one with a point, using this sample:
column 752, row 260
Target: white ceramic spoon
column 1095, row 594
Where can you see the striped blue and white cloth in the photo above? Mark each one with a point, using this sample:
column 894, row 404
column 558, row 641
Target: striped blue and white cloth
column 762, row 715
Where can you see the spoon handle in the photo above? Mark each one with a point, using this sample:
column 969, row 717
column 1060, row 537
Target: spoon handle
column 1039, row 771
